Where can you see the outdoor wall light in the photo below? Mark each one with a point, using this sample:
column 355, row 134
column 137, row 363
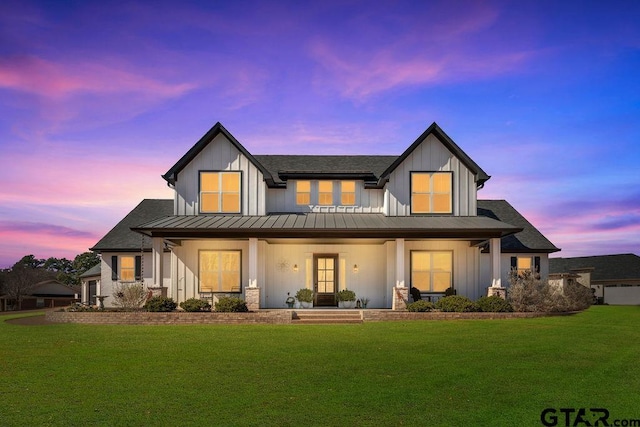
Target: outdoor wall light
column 355, row 268
column 295, row 267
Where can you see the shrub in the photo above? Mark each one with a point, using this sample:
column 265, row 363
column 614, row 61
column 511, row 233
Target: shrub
column 420, row 305
column 415, row 293
column 231, row 305
column 493, row 304
column 129, row 296
column 529, row 293
column 160, row 304
column 346, row 295
column 304, row 295
column 456, row 303
column 76, row 307
column 195, row 304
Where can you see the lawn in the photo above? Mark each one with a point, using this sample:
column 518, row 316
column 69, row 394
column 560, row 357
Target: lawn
column 472, row 373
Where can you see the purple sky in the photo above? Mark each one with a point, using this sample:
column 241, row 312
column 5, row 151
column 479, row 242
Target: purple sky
column 98, row 98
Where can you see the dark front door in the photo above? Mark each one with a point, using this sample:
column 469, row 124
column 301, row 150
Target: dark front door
column 325, row 274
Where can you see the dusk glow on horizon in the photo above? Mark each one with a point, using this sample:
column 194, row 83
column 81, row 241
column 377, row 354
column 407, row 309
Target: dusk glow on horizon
column 98, row 99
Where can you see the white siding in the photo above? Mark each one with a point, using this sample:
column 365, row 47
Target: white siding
column 505, row 266
column 220, row 154
column 284, row 199
column 106, row 284
column 431, row 155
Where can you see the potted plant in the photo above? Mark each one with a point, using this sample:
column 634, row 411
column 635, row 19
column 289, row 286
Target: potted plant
column 290, row 300
column 346, row 298
column 364, row 302
column 305, row 297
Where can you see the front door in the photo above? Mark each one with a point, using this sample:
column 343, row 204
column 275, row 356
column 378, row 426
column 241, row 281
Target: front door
column 325, row 274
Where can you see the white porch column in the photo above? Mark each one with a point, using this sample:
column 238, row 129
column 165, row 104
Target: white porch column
column 157, row 261
column 252, row 293
column 496, row 271
column 496, row 287
column 400, row 291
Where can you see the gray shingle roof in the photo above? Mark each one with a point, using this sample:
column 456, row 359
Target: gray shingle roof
column 93, row 271
column 528, row 240
column 121, row 238
column 606, row 267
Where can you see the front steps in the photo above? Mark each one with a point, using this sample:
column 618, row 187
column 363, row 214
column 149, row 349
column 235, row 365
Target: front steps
column 318, row 317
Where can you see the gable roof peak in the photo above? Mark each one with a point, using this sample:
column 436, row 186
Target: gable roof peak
column 172, row 174
column 435, row 130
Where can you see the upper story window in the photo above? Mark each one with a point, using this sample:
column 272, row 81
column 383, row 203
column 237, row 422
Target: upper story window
column 303, row 192
column 325, row 193
column 347, row 193
column 219, row 192
column 431, row 193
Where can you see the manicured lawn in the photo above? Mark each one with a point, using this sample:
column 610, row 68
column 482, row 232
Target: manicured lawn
column 470, row 373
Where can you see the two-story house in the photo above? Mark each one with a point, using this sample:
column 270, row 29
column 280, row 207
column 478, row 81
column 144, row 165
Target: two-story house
column 263, row 226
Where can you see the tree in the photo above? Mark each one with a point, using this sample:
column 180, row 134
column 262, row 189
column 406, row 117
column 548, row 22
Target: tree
column 22, row 277
column 85, row 261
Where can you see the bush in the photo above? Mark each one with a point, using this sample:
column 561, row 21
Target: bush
column 129, row 296
column 456, row 303
column 231, row 305
column 79, row 307
column 493, row 304
column 304, row 295
column 529, row 293
column 346, row 295
column 160, row 304
column 420, row 305
column 195, row 304
column 415, row 293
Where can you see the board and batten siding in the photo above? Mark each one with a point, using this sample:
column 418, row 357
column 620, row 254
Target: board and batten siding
column 284, row 199
column 220, row 155
column 431, row 156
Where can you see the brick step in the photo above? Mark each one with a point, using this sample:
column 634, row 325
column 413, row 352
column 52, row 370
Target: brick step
column 329, row 316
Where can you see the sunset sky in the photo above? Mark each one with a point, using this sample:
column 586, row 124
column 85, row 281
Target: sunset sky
column 99, row 98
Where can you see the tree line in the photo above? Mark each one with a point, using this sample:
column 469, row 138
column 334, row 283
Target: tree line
column 18, row 280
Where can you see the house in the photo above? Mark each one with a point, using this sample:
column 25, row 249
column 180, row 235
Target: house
column 44, row 294
column 614, row 278
column 263, row 226
column 89, row 281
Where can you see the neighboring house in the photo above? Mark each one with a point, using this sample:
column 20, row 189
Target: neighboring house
column 615, row 278
column 263, row 226
column 45, row 294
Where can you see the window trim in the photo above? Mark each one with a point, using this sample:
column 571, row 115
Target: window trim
column 326, row 192
column 308, row 193
column 220, row 193
column 431, row 193
column 239, row 251
column 342, row 193
column 431, row 251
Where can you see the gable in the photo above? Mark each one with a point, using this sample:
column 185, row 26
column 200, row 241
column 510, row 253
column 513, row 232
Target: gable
column 447, row 143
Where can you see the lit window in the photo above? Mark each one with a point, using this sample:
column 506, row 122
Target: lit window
column 524, row 265
column 431, row 271
column 220, row 271
column 348, row 193
column 431, row 192
column 220, row 192
column 303, row 192
column 325, row 192
column 127, row 268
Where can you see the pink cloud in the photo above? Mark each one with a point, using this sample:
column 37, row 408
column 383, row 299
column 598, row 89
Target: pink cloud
column 50, row 79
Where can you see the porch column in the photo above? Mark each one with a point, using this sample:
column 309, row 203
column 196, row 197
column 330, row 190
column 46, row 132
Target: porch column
column 496, row 270
column 157, row 263
column 400, row 292
column 252, row 293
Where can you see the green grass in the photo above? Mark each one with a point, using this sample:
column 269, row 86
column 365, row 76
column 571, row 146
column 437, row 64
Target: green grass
column 483, row 372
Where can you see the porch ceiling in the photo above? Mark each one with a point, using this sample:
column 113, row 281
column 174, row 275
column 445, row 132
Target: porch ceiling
column 326, row 225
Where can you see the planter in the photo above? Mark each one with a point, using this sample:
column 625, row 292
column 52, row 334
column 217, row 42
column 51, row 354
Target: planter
column 346, row 304
column 304, row 304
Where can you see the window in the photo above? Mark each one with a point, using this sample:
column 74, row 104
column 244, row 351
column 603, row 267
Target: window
column 220, row 271
column 126, row 268
column 325, row 192
column 525, row 265
column 431, row 192
column 220, row 192
column 431, row 271
column 347, row 193
column 303, row 192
